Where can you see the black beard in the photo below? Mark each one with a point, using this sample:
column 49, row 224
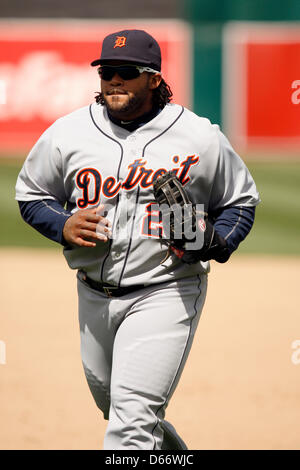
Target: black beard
column 133, row 105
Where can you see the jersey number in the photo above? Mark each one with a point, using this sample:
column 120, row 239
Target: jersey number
column 152, row 222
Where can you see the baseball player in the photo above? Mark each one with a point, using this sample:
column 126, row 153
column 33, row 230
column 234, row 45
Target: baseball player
column 94, row 182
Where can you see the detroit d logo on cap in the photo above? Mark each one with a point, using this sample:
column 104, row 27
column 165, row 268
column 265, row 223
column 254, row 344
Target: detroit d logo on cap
column 120, row 41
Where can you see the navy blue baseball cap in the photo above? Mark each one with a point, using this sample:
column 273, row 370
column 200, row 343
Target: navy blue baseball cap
column 131, row 45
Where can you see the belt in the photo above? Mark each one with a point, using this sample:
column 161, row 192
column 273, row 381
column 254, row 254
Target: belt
column 110, row 291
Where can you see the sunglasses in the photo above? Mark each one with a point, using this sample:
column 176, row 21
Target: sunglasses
column 126, row 72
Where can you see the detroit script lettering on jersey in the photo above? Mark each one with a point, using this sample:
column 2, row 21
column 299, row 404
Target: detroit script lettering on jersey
column 90, row 181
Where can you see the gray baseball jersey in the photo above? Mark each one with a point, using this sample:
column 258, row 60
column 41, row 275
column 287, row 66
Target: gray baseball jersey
column 134, row 347
column 84, row 159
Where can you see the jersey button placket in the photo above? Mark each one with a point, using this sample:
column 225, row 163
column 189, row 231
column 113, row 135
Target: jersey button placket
column 127, row 201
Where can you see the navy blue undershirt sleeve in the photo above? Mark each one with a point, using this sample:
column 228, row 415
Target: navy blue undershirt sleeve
column 47, row 216
column 234, row 224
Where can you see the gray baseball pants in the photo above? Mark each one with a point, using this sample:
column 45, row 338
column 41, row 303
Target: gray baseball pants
column 133, row 350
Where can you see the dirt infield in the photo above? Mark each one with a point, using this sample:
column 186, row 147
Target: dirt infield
column 239, row 390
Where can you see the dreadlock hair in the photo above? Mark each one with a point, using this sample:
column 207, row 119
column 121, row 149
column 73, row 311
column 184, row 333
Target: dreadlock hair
column 161, row 95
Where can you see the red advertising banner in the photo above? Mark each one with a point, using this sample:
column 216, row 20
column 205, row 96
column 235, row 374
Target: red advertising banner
column 45, row 70
column 261, row 86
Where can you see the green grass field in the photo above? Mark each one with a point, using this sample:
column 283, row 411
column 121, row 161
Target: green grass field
column 14, row 231
column 277, row 224
column 276, row 229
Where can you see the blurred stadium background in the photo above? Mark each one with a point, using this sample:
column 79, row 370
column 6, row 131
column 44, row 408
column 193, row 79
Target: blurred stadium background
column 256, row 89
column 236, row 62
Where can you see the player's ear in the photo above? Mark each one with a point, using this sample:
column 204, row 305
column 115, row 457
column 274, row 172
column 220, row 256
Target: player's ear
column 155, row 80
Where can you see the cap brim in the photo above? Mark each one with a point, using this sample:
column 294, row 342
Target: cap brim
column 95, row 62
column 125, row 60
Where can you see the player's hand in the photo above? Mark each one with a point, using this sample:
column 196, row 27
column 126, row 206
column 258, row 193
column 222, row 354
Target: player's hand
column 87, row 226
